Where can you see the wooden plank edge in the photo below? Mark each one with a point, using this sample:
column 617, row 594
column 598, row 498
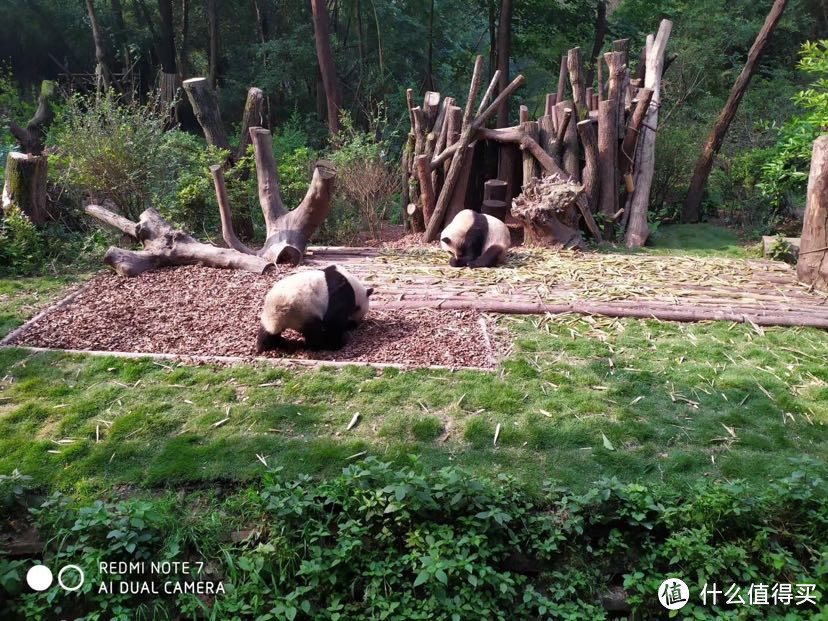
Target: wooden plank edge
column 287, row 362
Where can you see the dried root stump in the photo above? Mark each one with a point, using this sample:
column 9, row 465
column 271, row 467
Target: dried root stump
column 549, row 211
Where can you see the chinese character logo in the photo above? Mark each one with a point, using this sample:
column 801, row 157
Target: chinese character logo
column 673, row 594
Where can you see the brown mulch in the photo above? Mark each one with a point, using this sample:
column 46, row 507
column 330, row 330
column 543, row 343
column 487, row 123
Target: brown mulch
column 210, row 312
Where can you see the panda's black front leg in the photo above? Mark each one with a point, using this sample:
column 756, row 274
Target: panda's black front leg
column 265, row 341
column 323, row 336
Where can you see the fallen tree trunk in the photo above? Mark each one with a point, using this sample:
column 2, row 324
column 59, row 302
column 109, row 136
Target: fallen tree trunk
column 812, row 266
column 549, row 212
column 164, row 246
column 288, row 232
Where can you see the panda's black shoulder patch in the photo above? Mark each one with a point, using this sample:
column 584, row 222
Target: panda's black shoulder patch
column 476, row 236
column 341, row 297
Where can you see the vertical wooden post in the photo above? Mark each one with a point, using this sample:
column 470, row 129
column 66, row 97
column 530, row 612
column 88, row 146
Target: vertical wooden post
column 530, row 170
column 637, row 203
column 812, row 266
column 607, row 158
column 562, row 80
column 571, row 151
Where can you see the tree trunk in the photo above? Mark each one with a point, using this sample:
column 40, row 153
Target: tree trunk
column 591, row 177
column 205, row 105
column 254, row 116
column 430, row 61
column 326, row 64
column 562, row 75
column 184, row 48
column 607, row 162
column 24, row 186
column 32, row 138
column 504, row 48
column 166, row 50
column 692, row 205
column 812, row 266
column 598, row 42
column 576, row 79
column 638, row 229
column 213, row 27
column 102, row 71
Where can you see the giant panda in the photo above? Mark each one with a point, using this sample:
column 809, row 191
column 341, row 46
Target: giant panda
column 321, row 304
column 475, row 240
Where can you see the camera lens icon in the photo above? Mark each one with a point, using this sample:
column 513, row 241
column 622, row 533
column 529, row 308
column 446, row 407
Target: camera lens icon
column 39, row 578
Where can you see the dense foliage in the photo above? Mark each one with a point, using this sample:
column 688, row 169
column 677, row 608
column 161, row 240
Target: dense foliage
column 436, row 545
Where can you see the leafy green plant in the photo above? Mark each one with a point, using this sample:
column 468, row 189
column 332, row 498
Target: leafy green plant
column 22, row 247
column 784, row 174
column 412, row 543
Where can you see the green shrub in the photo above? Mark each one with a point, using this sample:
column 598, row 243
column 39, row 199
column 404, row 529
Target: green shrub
column 784, row 174
column 22, row 247
column 383, row 543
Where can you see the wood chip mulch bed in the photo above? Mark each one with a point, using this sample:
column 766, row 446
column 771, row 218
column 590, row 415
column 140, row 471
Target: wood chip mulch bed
column 198, row 311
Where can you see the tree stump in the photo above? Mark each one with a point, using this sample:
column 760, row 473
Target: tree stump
column 812, row 266
column 549, row 212
column 24, row 186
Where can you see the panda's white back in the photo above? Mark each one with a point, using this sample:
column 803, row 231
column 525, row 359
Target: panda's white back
column 295, row 299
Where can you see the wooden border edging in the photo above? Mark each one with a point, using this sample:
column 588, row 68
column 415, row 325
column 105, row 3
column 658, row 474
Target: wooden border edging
column 6, row 340
column 287, row 362
column 642, row 311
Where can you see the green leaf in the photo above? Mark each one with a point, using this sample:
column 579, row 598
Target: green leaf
column 607, row 444
column 421, row 578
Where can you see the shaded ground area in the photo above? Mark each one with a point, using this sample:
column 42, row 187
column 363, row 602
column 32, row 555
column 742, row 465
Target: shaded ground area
column 204, row 311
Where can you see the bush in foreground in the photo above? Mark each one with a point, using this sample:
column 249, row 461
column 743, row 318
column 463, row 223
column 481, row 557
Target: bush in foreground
column 383, row 543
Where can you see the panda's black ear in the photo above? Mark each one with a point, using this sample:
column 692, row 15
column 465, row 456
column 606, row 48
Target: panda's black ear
column 369, row 291
column 446, row 240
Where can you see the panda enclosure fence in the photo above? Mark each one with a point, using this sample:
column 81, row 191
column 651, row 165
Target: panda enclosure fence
column 568, row 164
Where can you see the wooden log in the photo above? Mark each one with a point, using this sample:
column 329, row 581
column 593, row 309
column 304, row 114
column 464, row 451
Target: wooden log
column 691, row 212
column 427, row 197
column 812, row 265
column 164, row 245
column 571, row 150
column 590, row 93
column 576, row 79
column 638, row 229
column 626, row 155
column 254, row 116
column 523, row 114
column 431, row 108
column 549, row 105
column 494, row 190
column 415, row 216
column 615, row 62
column 435, row 224
column 516, row 135
column 562, row 77
column 487, row 96
column 607, row 161
column 546, row 134
column 24, row 186
column 530, row 128
column 586, row 131
column 601, row 94
column 460, row 195
column 205, row 106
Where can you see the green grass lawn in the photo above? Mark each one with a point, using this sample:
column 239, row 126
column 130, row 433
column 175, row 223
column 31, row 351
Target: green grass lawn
column 579, row 399
column 698, row 240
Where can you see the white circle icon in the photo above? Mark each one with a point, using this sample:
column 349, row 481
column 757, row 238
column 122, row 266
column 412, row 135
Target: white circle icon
column 673, row 594
column 39, row 577
column 80, row 578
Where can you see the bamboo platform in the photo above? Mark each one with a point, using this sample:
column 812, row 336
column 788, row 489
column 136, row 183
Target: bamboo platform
column 538, row 281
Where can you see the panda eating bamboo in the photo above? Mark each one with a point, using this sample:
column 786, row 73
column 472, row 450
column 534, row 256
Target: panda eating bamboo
column 321, row 304
column 475, row 240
